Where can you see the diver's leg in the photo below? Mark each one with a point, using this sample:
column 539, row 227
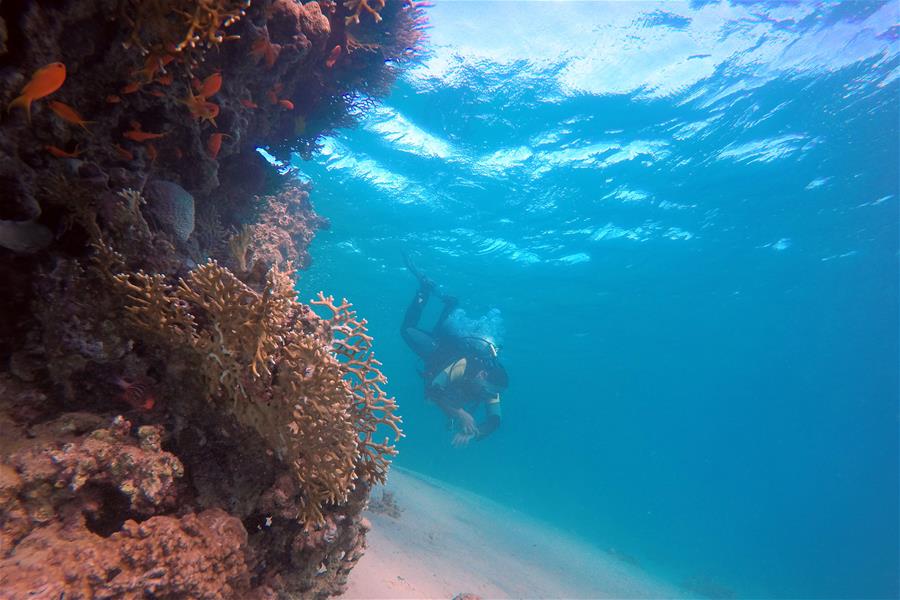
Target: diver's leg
column 450, row 304
column 421, row 342
column 426, row 287
column 425, row 284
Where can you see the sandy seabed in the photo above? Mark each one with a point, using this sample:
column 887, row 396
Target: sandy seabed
column 448, row 541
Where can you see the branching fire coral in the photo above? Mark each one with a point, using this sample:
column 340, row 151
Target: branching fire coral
column 309, row 387
column 371, row 406
column 357, row 6
column 176, row 25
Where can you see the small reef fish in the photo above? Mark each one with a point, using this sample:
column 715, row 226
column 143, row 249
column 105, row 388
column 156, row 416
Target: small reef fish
column 166, row 79
column 67, row 113
column 136, row 394
column 248, row 103
column 25, row 237
column 44, row 82
column 113, row 99
column 333, row 56
column 286, row 104
column 135, row 134
column 214, row 143
column 123, row 153
column 152, row 66
column 59, row 153
column 131, row 88
column 151, row 152
column 141, row 136
column 210, row 86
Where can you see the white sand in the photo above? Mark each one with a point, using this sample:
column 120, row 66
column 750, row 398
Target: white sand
column 448, row 541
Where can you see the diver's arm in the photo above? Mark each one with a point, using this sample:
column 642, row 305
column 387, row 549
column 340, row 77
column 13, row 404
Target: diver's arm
column 492, row 420
column 465, row 420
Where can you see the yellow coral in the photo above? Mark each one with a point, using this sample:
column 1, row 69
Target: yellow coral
column 309, row 387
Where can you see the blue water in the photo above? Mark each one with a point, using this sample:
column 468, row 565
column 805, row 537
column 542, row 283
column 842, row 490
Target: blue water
column 688, row 216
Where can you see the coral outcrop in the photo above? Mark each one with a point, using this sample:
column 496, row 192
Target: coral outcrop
column 276, row 367
column 175, row 423
column 62, row 473
column 284, row 231
column 194, row 556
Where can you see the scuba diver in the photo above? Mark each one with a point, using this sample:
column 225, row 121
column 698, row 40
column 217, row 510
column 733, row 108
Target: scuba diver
column 461, row 367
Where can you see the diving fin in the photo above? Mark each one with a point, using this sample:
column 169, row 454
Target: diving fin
column 424, row 282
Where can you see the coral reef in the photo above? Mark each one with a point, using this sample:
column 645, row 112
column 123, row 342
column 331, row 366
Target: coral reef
column 98, row 477
column 284, row 231
column 178, row 25
column 175, row 423
column 273, row 364
column 194, row 556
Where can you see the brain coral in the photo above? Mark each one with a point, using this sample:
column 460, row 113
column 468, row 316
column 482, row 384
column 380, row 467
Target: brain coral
column 172, row 206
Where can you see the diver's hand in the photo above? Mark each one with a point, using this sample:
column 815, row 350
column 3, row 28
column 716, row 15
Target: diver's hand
column 461, row 439
column 466, row 423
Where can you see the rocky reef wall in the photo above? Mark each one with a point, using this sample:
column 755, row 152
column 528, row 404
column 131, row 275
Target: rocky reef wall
column 174, row 423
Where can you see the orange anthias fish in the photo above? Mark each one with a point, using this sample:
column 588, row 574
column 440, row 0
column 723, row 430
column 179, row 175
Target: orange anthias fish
column 123, row 153
column 44, row 82
column 58, row 153
column 131, row 88
column 113, row 99
column 248, row 103
column 151, row 152
column 214, row 143
column 333, row 56
column 141, row 136
column 67, row 113
column 154, row 64
column 136, row 135
column 286, row 104
column 210, row 85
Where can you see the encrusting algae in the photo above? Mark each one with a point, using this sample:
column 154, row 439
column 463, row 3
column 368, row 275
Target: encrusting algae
column 175, row 422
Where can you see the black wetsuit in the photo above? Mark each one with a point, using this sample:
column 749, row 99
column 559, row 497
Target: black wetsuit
column 451, row 365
